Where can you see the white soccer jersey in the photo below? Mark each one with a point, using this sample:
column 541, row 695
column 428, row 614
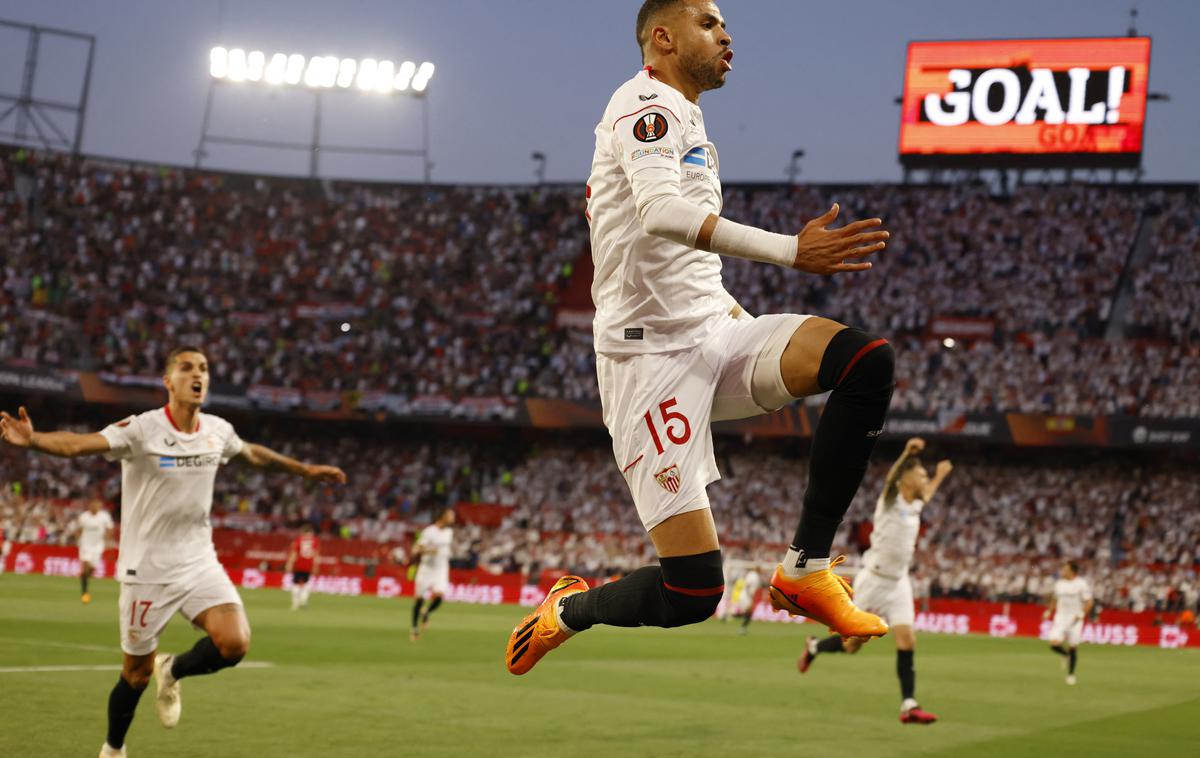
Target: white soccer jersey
column 651, row 295
column 753, row 582
column 894, row 536
column 436, row 542
column 92, row 529
column 1070, row 595
column 166, row 493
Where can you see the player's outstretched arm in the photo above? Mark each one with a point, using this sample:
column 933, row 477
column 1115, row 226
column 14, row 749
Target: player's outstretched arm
column 911, row 447
column 939, row 475
column 19, row 432
column 260, row 456
column 1050, row 607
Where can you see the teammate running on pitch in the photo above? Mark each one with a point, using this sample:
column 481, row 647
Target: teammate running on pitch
column 674, row 352
column 433, row 574
column 167, row 564
column 95, row 528
column 883, row 585
column 743, row 598
column 303, row 558
column 1069, row 606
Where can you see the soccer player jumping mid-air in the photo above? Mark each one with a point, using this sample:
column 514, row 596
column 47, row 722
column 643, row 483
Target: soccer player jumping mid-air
column 883, row 586
column 166, row 561
column 675, row 352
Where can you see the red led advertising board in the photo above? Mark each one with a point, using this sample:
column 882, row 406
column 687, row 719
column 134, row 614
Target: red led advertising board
column 1025, row 102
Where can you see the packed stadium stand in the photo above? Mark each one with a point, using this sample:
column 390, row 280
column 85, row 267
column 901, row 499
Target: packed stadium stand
column 1077, row 299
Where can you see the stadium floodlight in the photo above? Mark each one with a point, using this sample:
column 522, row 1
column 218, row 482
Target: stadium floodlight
column 255, row 63
column 424, row 74
column 237, row 65
column 218, row 63
column 319, row 71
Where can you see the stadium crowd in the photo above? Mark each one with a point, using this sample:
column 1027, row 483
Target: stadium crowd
column 995, row 530
column 454, row 290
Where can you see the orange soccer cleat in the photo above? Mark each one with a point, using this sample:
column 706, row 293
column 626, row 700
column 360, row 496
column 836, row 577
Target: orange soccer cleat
column 539, row 632
column 824, row 597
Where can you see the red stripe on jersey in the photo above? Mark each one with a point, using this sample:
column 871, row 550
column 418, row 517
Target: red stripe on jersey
column 648, row 107
column 171, row 418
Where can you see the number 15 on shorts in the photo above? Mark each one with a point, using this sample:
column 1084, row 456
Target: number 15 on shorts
column 674, row 423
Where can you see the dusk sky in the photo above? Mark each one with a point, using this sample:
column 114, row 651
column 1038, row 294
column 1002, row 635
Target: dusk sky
column 524, row 75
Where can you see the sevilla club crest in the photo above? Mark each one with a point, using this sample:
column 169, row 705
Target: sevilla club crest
column 669, row 478
column 650, row 127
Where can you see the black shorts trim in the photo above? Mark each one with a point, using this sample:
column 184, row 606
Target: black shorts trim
column 300, row 577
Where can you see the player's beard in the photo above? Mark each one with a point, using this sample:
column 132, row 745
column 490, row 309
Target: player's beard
column 705, row 72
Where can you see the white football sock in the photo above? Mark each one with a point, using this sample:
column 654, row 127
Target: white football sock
column 792, row 557
column 305, row 591
column 908, row 704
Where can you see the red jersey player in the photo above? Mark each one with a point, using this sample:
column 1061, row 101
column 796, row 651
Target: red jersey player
column 302, row 560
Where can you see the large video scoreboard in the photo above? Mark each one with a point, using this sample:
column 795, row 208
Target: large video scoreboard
column 1034, row 102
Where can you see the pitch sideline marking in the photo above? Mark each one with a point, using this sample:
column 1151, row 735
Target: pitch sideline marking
column 105, row 667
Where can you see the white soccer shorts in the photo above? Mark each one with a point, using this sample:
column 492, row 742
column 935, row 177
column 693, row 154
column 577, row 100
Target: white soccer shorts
column 1068, row 629
column 430, row 583
column 890, row 599
column 658, row 408
column 90, row 553
column 146, row 608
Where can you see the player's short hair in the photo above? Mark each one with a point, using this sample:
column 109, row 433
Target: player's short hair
column 307, row 527
column 171, row 356
column 1074, row 567
column 649, row 11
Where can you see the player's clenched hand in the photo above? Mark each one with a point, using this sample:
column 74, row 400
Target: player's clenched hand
column 325, row 473
column 16, row 431
column 944, row 468
column 914, row 446
column 824, row 251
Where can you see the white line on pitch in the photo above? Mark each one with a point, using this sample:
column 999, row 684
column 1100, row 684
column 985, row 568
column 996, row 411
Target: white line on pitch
column 107, row 667
column 71, row 645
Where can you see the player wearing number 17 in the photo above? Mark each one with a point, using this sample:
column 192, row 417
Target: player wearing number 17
column 674, row 351
column 166, row 561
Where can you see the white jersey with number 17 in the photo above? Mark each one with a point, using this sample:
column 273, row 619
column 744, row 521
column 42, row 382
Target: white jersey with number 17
column 652, row 295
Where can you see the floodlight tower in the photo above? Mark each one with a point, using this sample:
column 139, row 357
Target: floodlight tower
column 29, row 111
column 234, row 67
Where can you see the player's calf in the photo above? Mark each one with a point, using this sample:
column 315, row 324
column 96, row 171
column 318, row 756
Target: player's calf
column 679, row 591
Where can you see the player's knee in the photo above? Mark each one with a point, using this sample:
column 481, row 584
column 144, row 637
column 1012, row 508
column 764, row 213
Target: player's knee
column 138, row 672
column 234, row 646
column 692, row 586
column 856, row 361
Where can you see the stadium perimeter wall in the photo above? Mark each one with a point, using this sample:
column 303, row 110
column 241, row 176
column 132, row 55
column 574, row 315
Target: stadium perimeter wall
column 939, row 616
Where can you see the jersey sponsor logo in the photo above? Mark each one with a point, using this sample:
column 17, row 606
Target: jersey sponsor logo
column 650, row 128
column 634, row 333
column 669, row 478
column 644, row 98
column 662, row 151
column 189, row 461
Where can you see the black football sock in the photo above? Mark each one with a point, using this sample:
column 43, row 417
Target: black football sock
column 678, row 591
column 416, row 613
column 1071, row 662
column 746, row 618
column 831, row 644
column 203, row 658
column 1059, row 649
column 122, row 703
column 433, row 605
column 860, row 369
column 904, row 670
column 83, row 582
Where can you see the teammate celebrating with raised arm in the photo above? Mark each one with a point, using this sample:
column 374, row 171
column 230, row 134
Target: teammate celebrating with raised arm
column 169, row 459
column 1070, row 604
column 674, row 351
column 883, row 585
column 95, row 529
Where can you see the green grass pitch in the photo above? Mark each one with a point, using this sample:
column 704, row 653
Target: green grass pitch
column 345, row 681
